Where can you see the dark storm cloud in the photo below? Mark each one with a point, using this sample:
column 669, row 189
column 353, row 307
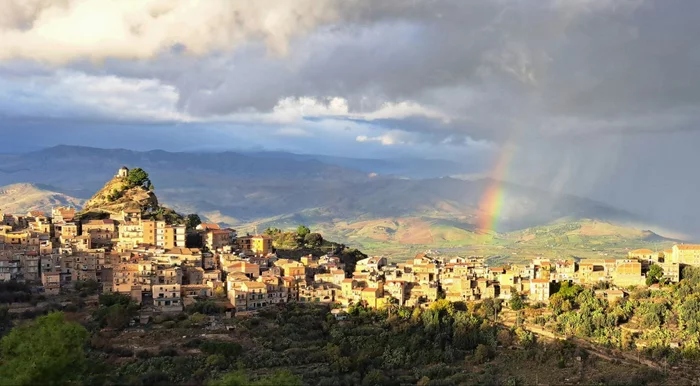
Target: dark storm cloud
column 600, row 97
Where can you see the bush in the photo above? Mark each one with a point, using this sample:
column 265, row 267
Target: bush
column 207, row 307
column 167, row 352
column 483, row 353
column 227, row 349
column 217, row 361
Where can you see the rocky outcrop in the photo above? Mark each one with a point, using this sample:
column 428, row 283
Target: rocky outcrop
column 117, row 195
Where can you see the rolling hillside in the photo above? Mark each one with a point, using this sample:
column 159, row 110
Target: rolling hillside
column 376, row 213
column 21, row 198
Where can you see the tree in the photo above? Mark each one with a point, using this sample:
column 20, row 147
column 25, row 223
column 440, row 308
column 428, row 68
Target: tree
column 655, row 273
column 569, row 291
column 137, row 177
column 47, row 351
column 116, row 310
column 192, row 220
column 556, row 302
column 272, row 231
column 516, row 301
column 313, row 240
column 303, row 230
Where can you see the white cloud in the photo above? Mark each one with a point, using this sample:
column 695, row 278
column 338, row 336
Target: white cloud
column 62, row 31
column 68, row 94
column 390, row 138
column 403, row 109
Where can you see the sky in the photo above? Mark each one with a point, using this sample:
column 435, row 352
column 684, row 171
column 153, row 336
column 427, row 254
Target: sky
column 593, row 97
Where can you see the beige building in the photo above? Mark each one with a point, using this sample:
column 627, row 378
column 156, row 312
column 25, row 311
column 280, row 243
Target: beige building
column 628, row 273
column 167, row 297
column 252, row 271
column 540, row 290
column 291, row 268
column 688, row 254
column 130, row 235
column 248, row 295
column 163, row 235
column 257, row 244
column 217, row 238
column 62, row 214
column 51, row 282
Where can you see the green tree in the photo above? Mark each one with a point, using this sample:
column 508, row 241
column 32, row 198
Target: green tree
column 516, row 301
column 272, row 231
column 116, row 310
column 654, row 275
column 556, row 303
column 192, row 220
column 137, row 177
column 303, row 230
column 569, row 291
column 47, row 351
column 313, row 240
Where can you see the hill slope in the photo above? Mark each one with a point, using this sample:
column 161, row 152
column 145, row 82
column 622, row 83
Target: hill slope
column 117, row 195
column 23, row 197
column 268, row 189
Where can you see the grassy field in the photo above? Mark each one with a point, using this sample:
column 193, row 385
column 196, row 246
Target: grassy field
column 402, row 238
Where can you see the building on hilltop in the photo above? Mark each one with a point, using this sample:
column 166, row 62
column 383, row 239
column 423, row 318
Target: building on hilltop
column 123, row 172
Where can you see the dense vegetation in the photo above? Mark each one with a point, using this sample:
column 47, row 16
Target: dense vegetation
column 47, row 351
column 654, row 320
column 301, row 238
column 301, row 242
column 138, row 177
column 446, row 344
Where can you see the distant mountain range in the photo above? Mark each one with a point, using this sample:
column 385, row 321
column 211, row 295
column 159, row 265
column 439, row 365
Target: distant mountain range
column 271, row 188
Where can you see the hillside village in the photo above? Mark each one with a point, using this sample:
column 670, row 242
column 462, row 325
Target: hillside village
column 165, row 264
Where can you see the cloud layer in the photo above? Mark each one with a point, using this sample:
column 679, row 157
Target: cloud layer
column 595, row 94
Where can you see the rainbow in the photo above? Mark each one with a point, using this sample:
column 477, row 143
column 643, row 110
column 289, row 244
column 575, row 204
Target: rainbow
column 491, row 203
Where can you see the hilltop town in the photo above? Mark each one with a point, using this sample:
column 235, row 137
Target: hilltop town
column 166, row 264
column 125, row 265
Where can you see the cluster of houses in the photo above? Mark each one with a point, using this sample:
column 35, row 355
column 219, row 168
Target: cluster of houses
column 422, row 279
column 150, row 260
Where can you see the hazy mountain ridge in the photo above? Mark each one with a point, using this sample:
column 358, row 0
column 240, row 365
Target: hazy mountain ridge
column 244, row 190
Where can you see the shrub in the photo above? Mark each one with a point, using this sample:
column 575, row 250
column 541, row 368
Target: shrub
column 227, row 349
column 483, row 353
column 207, row 307
column 167, row 352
